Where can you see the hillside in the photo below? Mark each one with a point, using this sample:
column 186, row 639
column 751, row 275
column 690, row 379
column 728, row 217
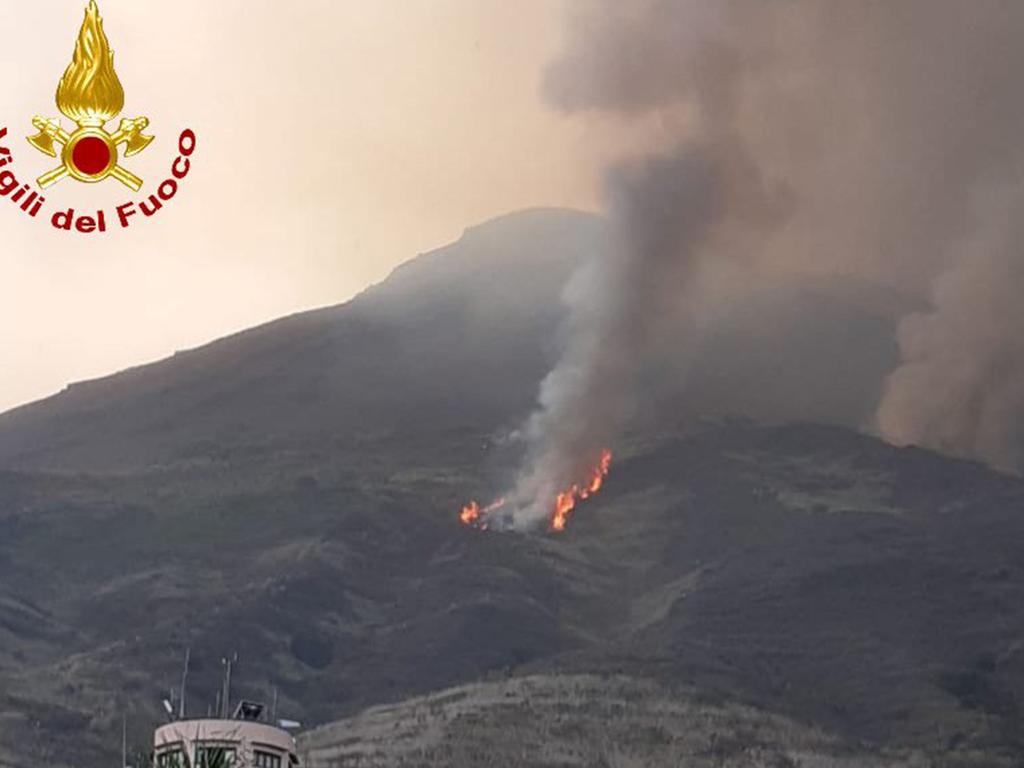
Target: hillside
column 578, row 720
column 310, row 378
column 812, row 573
column 290, row 494
column 459, row 336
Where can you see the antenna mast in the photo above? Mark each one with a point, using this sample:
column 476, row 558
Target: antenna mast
column 225, row 701
column 184, row 680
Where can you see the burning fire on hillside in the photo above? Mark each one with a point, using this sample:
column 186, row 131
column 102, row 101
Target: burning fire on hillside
column 475, row 515
column 567, row 500
column 562, row 506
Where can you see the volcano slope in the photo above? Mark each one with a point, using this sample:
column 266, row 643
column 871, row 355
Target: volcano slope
column 290, row 493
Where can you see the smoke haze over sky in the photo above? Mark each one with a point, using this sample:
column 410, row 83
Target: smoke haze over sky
column 336, row 140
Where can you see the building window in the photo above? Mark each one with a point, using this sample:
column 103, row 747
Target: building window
column 171, row 758
column 263, row 759
column 215, row 756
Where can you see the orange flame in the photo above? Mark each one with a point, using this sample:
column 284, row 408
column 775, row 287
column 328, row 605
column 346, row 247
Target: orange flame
column 473, row 513
column 470, row 513
column 565, row 502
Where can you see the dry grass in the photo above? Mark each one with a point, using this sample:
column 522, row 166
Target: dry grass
column 578, row 720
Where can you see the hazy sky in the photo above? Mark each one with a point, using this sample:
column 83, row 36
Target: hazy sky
column 336, row 140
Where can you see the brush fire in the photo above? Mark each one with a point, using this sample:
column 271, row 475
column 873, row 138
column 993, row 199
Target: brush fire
column 562, row 506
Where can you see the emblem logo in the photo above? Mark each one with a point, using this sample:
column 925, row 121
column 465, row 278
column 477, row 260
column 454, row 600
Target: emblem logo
column 91, row 95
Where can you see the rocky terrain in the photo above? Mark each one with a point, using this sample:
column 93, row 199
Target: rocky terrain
column 290, row 494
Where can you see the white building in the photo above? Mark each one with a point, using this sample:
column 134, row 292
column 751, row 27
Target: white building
column 241, row 742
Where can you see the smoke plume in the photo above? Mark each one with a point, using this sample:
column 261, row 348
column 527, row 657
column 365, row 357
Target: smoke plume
column 961, row 386
column 785, row 141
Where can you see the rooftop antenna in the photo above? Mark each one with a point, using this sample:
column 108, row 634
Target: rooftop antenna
column 124, row 740
column 273, row 707
column 225, row 700
column 184, row 681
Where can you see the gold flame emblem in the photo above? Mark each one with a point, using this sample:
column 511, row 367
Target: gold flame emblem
column 91, row 95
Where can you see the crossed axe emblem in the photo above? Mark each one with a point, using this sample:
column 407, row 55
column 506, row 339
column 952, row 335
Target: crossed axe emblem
column 90, row 153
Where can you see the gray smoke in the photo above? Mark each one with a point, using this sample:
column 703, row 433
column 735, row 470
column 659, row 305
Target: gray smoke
column 960, row 388
column 796, row 139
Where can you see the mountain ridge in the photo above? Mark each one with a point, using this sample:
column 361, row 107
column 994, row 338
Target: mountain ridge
column 292, row 496
column 555, row 237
